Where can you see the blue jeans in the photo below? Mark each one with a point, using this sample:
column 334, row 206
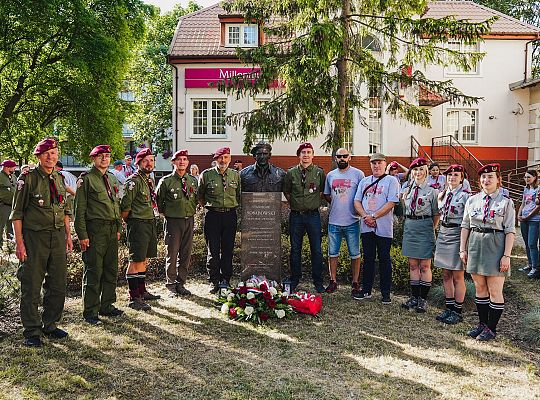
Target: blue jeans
column 529, row 231
column 299, row 225
column 376, row 245
column 352, row 236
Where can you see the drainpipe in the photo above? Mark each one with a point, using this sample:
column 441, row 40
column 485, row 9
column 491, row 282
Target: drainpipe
column 175, row 108
column 527, row 57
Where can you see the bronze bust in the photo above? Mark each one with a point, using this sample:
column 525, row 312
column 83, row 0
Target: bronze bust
column 262, row 176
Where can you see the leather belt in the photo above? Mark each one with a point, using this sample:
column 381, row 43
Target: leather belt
column 316, row 210
column 220, row 209
column 449, row 225
column 485, row 230
column 418, row 216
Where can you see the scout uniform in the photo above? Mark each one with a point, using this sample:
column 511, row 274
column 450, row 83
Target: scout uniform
column 304, row 186
column 451, row 209
column 220, row 195
column 40, row 203
column 97, row 218
column 140, row 200
column 177, row 200
column 7, row 189
column 489, row 218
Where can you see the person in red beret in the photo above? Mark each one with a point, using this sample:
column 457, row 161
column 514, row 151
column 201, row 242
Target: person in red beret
column 7, row 189
column 219, row 193
column 98, row 226
column 41, row 221
column 177, row 202
column 421, row 217
column 139, row 210
column 487, row 236
column 303, row 187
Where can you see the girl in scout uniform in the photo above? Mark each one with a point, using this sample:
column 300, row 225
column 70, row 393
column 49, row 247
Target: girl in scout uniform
column 487, row 237
column 451, row 207
column 435, row 179
column 530, row 221
column 421, row 216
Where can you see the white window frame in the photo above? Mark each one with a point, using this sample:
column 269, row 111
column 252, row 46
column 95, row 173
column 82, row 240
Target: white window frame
column 241, row 39
column 453, row 70
column 256, row 105
column 190, row 135
column 461, row 125
column 375, row 130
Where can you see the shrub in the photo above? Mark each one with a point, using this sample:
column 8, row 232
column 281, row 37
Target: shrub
column 531, row 326
column 9, row 285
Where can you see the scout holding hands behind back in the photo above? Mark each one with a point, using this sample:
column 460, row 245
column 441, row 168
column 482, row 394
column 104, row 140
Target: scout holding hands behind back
column 487, row 237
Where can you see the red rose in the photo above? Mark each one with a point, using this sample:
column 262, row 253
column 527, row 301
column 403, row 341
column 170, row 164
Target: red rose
column 232, row 312
column 252, row 301
column 242, row 290
column 234, row 291
column 284, row 299
column 267, row 295
column 264, row 316
column 263, row 286
column 242, row 303
column 271, row 303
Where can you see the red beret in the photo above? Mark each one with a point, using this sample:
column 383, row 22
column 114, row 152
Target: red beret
column 303, row 146
column 394, row 165
column 493, row 167
column 8, row 163
column 222, row 151
column 141, row 154
column 179, row 153
column 99, row 149
column 45, row 145
column 418, row 162
column 454, row 168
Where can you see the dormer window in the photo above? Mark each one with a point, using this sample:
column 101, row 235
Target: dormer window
column 241, row 35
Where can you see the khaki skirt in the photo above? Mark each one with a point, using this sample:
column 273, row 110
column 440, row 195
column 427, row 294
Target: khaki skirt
column 418, row 238
column 485, row 251
column 447, row 249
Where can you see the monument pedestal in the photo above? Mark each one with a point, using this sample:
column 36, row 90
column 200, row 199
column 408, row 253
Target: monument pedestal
column 261, row 235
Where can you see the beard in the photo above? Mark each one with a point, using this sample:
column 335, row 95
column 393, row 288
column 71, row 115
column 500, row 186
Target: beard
column 342, row 164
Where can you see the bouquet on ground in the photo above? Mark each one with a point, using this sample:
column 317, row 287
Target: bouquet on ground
column 256, row 300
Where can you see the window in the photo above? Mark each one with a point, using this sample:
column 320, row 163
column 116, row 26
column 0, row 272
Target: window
column 374, row 118
column 208, row 118
column 261, row 136
column 457, row 45
column 242, row 35
column 463, row 125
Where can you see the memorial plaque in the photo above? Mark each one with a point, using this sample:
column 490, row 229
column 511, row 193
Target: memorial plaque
column 261, row 235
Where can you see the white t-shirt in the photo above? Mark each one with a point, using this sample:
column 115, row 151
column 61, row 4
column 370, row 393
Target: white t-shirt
column 341, row 186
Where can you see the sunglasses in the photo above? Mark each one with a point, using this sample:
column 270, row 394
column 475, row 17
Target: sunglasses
column 342, row 155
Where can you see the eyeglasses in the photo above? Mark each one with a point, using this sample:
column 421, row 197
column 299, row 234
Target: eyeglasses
column 103, row 156
column 342, row 155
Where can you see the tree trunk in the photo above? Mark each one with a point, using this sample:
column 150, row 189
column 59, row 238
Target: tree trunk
column 343, row 78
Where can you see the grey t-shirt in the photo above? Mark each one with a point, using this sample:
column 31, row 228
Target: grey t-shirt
column 387, row 189
column 341, row 186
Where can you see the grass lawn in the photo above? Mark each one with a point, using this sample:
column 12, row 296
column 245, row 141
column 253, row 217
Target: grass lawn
column 185, row 349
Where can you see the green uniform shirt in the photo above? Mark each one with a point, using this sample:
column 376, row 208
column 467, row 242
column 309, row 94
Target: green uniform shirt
column 138, row 196
column 92, row 200
column 172, row 201
column 7, row 188
column 32, row 202
column 213, row 192
column 304, row 196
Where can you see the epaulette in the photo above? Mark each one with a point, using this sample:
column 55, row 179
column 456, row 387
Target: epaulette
column 80, row 179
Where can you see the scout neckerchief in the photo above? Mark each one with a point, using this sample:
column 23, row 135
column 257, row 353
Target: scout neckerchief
column 446, row 210
column 414, row 198
column 108, row 186
column 150, row 184
column 184, row 186
column 55, row 196
column 487, row 199
column 304, row 175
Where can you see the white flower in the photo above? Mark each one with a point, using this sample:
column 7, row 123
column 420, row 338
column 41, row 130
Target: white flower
column 249, row 310
column 240, row 284
column 250, row 284
column 230, row 297
column 250, row 296
column 280, row 313
column 225, row 308
column 273, row 291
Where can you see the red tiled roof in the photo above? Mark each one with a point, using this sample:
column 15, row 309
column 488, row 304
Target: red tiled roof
column 473, row 12
column 198, row 34
column 427, row 98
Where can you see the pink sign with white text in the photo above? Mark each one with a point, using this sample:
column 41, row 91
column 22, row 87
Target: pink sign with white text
column 209, row 77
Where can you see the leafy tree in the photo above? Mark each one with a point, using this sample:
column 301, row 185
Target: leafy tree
column 62, row 63
column 151, row 80
column 319, row 50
